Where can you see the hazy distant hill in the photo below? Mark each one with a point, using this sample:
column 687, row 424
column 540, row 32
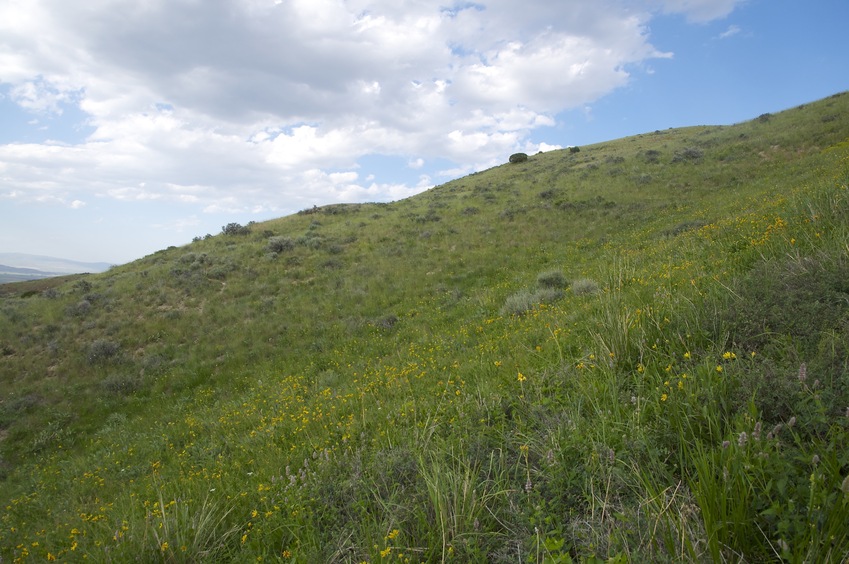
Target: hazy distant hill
column 17, row 267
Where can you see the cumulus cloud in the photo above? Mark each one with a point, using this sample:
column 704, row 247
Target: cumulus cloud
column 266, row 106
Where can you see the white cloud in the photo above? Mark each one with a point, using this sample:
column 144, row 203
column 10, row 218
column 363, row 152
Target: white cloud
column 700, row 10
column 731, row 31
column 254, row 106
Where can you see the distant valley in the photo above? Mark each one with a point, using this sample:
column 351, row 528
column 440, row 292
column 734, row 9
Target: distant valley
column 20, row 267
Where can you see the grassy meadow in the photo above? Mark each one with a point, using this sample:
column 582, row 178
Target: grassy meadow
column 638, row 350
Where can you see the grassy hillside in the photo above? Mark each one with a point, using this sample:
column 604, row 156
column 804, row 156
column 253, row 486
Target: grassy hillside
column 637, row 350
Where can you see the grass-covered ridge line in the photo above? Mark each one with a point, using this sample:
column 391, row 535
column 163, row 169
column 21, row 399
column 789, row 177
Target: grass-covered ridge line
column 635, row 350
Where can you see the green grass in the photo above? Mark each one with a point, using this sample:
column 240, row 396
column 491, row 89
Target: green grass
column 634, row 351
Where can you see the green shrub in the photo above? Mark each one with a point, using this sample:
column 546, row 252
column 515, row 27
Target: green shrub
column 280, row 244
column 311, row 240
column 690, row 154
column 79, row 309
column 102, row 351
column 652, row 156
column 235, row 229
column 386, row 322
column 525, row 300
column 518, row 158
column 574, row 149
column 121, row 384
column 551, row 279
column 584, row 286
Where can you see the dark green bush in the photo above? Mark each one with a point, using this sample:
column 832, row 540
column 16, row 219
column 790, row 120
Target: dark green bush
column 518, row 158
column 652, row 156
column 574, row 149
column 235, row 229
column 551, row 279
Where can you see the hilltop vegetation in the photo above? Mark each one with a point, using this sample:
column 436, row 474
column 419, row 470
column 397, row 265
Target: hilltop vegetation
column 635, row 350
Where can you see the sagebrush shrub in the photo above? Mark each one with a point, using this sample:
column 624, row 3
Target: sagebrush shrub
column 79, row 309
column 551, row 279
column 235, row 229
column 584, row 286
column 121, row 384
column 280, row 244
column 102, row 350
column 687, row 154
column 525, row 300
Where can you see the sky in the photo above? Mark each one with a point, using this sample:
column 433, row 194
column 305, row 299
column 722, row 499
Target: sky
column 127, row 126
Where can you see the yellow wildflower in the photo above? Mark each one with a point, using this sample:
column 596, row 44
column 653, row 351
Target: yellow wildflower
column 663, row 397
column 521, row 377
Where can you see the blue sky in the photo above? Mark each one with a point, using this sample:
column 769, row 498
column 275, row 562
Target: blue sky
column 133, row 125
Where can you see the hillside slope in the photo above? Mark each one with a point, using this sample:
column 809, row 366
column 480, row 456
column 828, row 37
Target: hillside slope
column 634, row 350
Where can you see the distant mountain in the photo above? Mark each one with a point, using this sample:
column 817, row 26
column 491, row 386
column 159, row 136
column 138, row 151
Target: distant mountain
column 17, row 267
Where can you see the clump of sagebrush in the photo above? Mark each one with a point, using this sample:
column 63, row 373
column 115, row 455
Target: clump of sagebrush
column 102, row 350
column 688, row 154
column 122, row 384
column 311, row 239
column 525, row 300
column 584, row 286
column 280, row 244
column 551, row 279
